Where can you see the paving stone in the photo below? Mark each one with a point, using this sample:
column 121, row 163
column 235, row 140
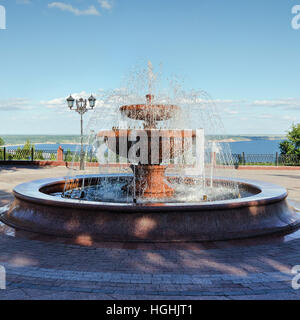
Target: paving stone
column 45, row 268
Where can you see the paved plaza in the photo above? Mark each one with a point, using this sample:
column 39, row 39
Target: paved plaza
column 42, row 267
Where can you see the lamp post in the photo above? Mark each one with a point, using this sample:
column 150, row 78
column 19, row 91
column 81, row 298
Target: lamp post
column 81, row 108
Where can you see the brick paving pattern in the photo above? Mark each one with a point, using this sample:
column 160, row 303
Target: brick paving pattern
column 40, row 268
column 37, row 269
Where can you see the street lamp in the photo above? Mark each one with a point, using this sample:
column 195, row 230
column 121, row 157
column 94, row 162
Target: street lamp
column 81, row 108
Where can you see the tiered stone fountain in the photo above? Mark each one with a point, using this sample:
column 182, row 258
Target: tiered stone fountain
column 149, row 177
column 153, row 209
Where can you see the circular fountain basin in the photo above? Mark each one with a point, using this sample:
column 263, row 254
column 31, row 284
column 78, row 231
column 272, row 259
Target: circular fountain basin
column 265, row 210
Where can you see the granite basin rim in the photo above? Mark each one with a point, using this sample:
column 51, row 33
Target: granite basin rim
column 31, row 191
column 266, row 212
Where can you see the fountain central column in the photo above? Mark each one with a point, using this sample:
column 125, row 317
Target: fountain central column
column 149, row 179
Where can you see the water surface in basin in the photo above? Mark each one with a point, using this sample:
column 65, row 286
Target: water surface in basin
column 115, row 190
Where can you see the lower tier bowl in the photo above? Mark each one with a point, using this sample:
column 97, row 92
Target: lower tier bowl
column 265, row 211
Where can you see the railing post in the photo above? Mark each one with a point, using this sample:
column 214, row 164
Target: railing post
column 60, row 154
column 4, row 154
column 243, row 158
column 276, row 161
column 32, row 154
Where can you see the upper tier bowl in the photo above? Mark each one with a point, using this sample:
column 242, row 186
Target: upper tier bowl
column 155, row 112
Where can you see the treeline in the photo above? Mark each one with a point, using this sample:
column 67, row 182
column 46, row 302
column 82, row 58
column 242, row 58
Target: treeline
column 291, row 146
column 21, row 139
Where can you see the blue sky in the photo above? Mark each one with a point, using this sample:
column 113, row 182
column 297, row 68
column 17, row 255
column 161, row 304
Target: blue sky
column 245, row 54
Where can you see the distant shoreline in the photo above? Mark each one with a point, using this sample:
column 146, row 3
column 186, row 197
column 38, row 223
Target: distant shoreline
column 230, row 140
column 225, row 140
column 19, row 140
column 34, row 143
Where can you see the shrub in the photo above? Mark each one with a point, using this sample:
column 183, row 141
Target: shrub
column 291, row 146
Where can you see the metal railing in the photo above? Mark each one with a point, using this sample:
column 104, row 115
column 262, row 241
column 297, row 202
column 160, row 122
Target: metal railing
column 276, row 159
column 19, row 154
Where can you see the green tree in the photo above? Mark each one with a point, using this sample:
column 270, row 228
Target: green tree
column 25, row 152
column 291, row 146
column 69, row 156
column 2, row 143
column 28, row 145
column 38, row 155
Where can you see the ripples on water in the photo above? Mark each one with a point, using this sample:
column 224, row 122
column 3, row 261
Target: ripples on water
column 115, row 192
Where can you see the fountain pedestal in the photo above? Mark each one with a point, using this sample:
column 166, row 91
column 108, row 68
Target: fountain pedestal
column 149, row 182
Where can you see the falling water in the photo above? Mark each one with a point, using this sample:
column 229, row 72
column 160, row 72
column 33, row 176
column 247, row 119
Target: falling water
column 107, row 174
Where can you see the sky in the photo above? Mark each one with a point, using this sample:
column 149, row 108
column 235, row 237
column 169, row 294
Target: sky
column 244, row 53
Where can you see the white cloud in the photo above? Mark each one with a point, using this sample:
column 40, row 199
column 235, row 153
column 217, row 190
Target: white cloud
column 68, row 7
column 105, row 4
column 290, row 118
column 54, row 103
column 265, row 116
column 15, row 104
column 288, row 103
column 61, row 103
column 230, row 111
column 281, row 104
column 226, row 101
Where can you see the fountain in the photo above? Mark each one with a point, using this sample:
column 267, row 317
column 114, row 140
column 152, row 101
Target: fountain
column 149, row 180
column 157, row 193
